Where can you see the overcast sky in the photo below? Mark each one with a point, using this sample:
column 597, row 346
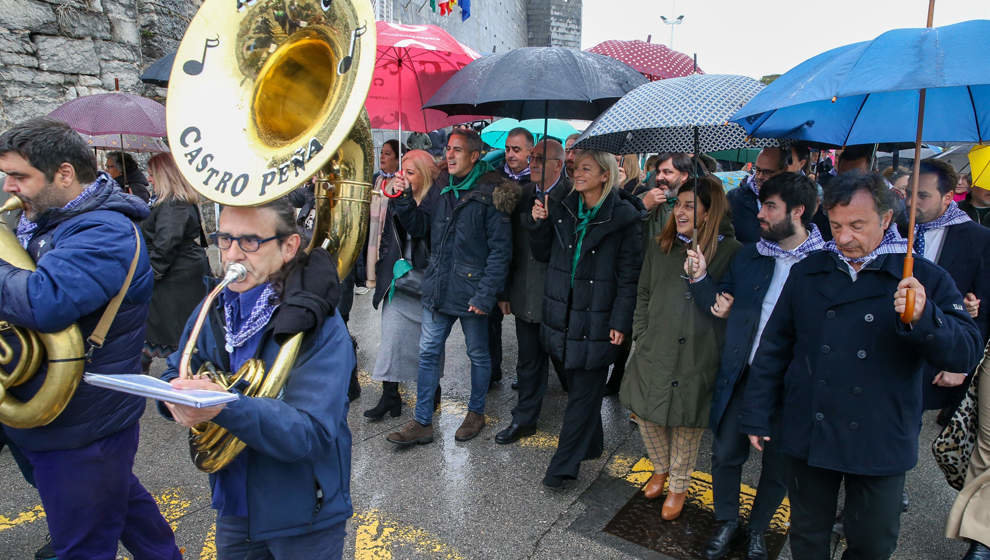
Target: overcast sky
column 759, row 37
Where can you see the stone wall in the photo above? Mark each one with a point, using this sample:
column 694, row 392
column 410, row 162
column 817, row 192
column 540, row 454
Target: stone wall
column 52, row 51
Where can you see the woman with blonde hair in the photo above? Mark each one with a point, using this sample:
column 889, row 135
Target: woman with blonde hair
column 630, row 169
column 592, row 242
column 402, row 310
column 669, row 380
column 174, row 237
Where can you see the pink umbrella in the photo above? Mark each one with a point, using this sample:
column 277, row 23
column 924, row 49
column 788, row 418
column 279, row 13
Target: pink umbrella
column 132, row 143
column 113, row 113
column 653, row 60
column 413, row 61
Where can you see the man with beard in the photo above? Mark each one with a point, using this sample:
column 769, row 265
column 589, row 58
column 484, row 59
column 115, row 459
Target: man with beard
column 945, row 235
column 673, row 168
column 744, row 200
column 787, row 236
column 570, row 153
column 835, row 381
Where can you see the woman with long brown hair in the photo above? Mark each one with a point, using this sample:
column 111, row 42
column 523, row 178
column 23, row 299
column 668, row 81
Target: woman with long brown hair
column 669, row 380
column 174, row 237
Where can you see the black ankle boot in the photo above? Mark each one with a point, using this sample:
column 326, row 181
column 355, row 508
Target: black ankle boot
column 436, row 399
column 354, row 388
column 390, row 402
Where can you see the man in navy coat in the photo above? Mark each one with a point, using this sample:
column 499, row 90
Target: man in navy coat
column 840, row 371
column 945, row 235
column 750, row 290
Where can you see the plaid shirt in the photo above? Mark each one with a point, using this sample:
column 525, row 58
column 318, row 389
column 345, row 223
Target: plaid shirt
column 814, row 242
column 26, row 228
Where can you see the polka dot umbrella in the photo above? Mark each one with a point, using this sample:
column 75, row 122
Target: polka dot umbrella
column 653, row 60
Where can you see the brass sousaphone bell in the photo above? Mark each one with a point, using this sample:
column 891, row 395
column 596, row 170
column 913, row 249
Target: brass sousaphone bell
column 265, row 95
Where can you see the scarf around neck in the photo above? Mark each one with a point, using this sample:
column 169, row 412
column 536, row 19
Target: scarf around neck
column 814, row 242
column 585, row 215
column 260, row 314
column 465, row 185
column 26, row 228
column 513, row 175
column 891, row 243
column 953, row 215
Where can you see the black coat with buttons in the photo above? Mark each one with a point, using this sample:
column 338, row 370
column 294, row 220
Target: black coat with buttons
column 672, row 369
column 577, row 321
column 841, row 370
column 747, row 279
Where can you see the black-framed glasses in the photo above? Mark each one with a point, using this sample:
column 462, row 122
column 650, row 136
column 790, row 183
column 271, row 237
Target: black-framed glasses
column 764, row 172
column 247, row 243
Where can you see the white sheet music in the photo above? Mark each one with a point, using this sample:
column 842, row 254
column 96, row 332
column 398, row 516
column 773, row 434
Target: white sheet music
column 154, row 388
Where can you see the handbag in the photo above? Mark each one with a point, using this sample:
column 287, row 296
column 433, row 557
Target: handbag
column 405, row 278
column 954, row 445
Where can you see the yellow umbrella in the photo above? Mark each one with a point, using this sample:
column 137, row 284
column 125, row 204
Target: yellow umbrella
column 979, row 165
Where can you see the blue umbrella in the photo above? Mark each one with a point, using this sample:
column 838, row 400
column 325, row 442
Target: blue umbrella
column 688, row 114
column 869, row 92
column 929, row 84
column 495, row 134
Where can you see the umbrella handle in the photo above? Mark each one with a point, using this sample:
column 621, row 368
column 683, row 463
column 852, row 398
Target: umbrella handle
column 386, row 193
column 908, row 313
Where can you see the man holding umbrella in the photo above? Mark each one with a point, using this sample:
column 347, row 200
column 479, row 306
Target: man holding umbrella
column 850, row 368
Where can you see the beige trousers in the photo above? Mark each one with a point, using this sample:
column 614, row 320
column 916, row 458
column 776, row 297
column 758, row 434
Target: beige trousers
column 672, row 449
column 970, row 515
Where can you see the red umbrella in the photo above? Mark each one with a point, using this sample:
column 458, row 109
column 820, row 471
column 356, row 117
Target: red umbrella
column 113, row 113
column 413, row 61
column 653, row 60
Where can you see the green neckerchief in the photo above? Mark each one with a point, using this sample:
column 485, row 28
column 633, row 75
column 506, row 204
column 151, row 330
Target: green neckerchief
column 399, row 269
column 584, row 216
column 478, row 170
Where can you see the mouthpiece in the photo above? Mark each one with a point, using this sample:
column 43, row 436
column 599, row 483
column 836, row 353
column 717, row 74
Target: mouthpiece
column 236, row 272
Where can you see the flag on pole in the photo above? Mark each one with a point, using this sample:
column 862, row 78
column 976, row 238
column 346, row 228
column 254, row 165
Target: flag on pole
column 465, row 9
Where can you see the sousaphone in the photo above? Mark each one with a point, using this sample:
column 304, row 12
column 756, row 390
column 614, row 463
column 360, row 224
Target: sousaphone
column 266, row 95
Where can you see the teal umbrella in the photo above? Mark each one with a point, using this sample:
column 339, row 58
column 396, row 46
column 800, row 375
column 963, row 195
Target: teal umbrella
column 495, row 134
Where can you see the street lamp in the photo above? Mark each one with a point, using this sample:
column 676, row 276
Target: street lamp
column 672, row 22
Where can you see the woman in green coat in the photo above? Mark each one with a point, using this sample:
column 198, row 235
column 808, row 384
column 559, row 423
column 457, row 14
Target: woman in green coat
column 670, row 376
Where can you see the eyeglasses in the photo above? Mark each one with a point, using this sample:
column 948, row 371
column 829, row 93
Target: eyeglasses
column 247, row 243
column 764, row 172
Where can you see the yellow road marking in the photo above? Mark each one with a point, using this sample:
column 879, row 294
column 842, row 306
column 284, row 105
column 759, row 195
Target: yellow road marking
column 376, row 538
column 540, row 440
column 172, row 505
column 29, row 516
column 209, row 551
column 701, row 492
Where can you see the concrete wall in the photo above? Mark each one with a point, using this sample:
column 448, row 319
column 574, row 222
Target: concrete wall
column 554, row 23
column 493, row 26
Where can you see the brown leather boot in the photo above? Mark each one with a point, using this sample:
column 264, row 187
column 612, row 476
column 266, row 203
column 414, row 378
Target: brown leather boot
column 412, row 433
column 654, row 487
column 673, row 505
column 470, row 427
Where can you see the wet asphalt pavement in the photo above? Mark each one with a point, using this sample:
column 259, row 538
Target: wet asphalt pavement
column 452, row 500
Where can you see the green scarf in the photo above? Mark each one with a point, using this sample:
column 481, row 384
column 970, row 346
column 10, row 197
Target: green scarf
column 584, row 216
column 399, row 269
column 478, row 170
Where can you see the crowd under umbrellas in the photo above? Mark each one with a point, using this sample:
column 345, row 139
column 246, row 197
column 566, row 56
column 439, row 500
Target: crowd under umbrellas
column 860, row 97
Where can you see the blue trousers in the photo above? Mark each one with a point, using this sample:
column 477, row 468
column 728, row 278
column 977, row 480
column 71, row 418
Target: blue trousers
column 92, row 500
column 233, row 543
column 433, row 334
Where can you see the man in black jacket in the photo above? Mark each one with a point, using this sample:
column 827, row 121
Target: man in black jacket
column 787, row 235
column 471, row 242
column 945, row 235
column 525, row 290
column 744, row 200
column 840, row 371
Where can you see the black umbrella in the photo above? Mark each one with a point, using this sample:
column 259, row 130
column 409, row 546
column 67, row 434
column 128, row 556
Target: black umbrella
column 537, row 83
column 157, row 74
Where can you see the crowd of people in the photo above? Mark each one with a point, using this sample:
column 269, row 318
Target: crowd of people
column 774, row 315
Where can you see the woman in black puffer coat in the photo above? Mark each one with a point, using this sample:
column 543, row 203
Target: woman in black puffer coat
column 592, row 242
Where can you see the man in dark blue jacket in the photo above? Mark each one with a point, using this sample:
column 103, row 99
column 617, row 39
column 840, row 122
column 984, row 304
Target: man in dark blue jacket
column 744, row 200
column 287, row 495
column 79, row 228
column 471, row 242
column 750, row 290
column 945, row 235
column 840, row 372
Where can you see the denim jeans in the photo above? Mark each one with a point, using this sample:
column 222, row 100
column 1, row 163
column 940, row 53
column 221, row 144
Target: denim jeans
column 433, row 334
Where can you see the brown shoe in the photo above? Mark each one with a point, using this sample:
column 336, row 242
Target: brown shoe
column 654, row 487
column 412, row 433
column 673, row 505
column 470, row 427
